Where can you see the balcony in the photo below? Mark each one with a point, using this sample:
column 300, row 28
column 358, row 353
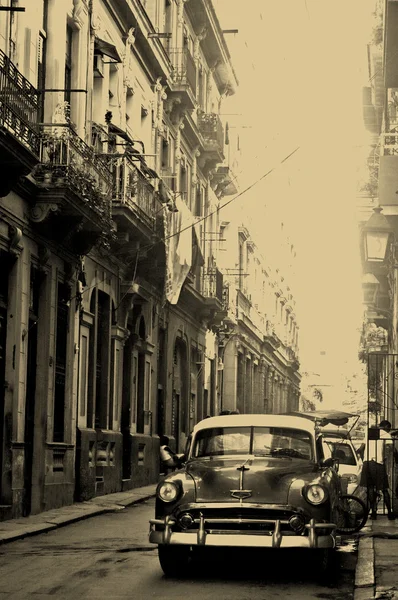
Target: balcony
column 214, row 294
column 73, row 188
column 183, row 76
column 212, row 132
column 136, row 206
column 271, row 339
column 20, row 141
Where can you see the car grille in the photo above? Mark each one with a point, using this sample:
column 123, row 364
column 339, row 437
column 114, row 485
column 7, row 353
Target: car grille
column 241, row 519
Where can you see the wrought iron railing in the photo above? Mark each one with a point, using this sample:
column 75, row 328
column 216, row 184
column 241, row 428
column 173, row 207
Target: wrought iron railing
column 213, row 284
column 66, row 160
column 389, row 144
column 132, row 188
column 211, row 128
column 19, row 105
column 184, row 68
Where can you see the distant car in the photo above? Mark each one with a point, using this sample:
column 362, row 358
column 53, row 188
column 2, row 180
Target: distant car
column 249, row 481
column 341, row 448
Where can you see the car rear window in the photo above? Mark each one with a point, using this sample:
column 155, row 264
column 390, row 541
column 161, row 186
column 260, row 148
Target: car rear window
column 342, row 451
column 260, row 441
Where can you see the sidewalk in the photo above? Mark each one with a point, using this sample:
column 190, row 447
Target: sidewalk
column 15, row 529
column 377, row 567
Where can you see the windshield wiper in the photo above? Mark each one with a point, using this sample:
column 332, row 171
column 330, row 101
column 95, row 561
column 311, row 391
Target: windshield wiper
column 272, row 455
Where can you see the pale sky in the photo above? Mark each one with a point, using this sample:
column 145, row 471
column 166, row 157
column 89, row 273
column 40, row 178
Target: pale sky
column 301, row 65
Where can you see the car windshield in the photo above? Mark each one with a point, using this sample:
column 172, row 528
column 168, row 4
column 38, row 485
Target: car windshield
column 260, row 441
column 342, row 451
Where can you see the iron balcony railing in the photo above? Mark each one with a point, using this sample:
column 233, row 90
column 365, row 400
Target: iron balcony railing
column 184, row 68
column 212, row 131
column 67, row 161
column 131, row 188
column 389, row 144
column 213, row 284
column 19, row 105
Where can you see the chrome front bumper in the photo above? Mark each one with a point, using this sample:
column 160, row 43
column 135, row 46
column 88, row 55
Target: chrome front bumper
column 272, row 539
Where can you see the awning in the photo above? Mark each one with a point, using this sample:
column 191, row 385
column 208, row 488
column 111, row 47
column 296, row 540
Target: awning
column 117, row 131
column 107, row 49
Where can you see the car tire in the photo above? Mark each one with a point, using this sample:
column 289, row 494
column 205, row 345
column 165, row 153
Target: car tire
column 174, row 560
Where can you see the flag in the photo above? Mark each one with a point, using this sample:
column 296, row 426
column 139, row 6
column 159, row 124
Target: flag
column 178, row 240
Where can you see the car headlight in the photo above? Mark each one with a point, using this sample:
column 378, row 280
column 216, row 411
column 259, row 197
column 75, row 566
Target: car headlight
column 168, row 491
column 315, row 494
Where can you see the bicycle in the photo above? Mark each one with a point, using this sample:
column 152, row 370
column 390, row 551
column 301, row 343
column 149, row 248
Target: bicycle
column 352, row 514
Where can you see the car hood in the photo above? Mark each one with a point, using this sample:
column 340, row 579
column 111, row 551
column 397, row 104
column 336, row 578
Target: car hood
column 265, row 480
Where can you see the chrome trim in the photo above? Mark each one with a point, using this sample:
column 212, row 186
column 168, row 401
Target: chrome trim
column 241, row 494
column 236, row 540
column 274, row 539
column 241, row 521
column 247, row 505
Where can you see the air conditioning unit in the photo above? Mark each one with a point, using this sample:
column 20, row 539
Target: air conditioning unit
column 98, row 65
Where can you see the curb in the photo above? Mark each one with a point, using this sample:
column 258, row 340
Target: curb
column 365, row 570
column 78, row 512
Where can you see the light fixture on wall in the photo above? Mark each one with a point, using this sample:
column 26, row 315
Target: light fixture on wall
column 377, row 233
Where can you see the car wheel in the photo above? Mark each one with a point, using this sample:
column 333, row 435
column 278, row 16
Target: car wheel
column 174, row 560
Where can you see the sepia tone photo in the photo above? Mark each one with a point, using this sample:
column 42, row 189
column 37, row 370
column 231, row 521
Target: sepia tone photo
column 198, row 299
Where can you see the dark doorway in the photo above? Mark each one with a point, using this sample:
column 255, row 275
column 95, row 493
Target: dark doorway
column 175, row 421
column 128, row 386
column 160, row 409
column 35, row 282
column 141, row 394
column 6, row 264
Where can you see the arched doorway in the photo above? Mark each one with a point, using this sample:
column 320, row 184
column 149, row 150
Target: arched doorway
column 179, row 407
column 134, row 390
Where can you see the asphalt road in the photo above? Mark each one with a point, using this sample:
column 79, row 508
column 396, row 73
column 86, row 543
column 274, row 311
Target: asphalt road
column 109, row 557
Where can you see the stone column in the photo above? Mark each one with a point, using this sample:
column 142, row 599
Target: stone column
column 270, row 390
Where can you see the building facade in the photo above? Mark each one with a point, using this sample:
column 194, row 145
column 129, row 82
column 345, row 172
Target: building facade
column 113, row 304
column 110, row 136
column 259, row 339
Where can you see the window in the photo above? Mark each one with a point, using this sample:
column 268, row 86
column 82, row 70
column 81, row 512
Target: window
column 342, row 452
column 68, row 64
column 41, row 71
column 271, row 442
column 98, row 388
column 63, row 294
column 165, row 154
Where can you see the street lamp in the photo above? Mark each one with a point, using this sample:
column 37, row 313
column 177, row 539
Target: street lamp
column 376, row 234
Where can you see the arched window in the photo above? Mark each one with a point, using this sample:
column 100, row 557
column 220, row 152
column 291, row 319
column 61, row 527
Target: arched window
column 99, row 362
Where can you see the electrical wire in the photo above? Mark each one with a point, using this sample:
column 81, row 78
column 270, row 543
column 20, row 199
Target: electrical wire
column 248, row 188
column 164, row 239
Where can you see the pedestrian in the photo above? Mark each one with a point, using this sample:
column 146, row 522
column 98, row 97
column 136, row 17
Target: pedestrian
column 374, row 472
column 169, row 460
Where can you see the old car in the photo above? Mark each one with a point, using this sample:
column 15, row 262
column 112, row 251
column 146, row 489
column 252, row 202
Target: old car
column 249, row 481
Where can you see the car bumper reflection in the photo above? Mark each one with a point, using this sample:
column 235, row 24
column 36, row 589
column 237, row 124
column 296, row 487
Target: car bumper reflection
column 161, row 532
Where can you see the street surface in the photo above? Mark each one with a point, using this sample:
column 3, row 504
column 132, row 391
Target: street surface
column 109, row 557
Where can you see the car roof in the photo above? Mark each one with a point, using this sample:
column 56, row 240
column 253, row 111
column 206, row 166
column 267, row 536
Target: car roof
column 257, row 420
